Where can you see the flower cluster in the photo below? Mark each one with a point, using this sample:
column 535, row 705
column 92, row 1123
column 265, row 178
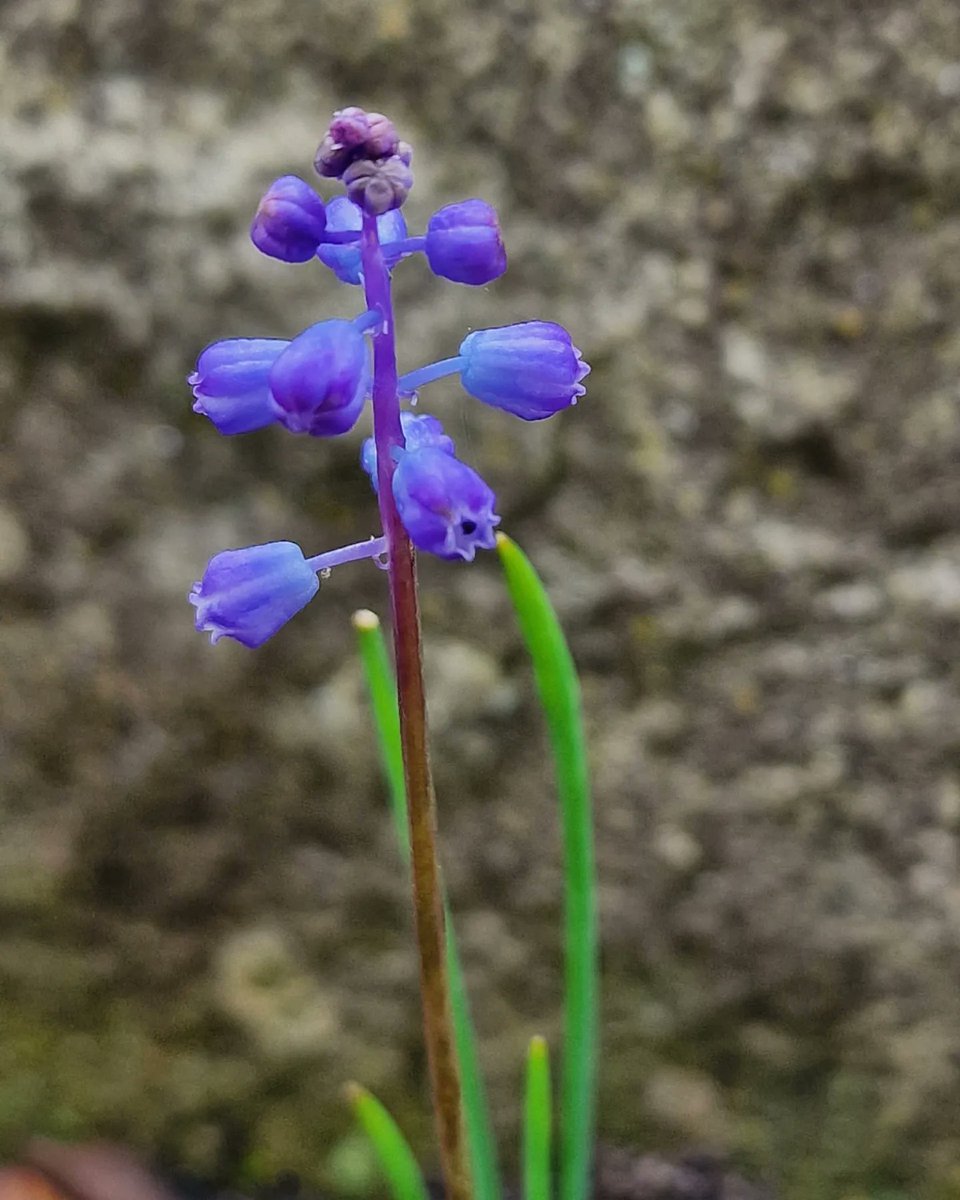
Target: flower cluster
column 318, row 383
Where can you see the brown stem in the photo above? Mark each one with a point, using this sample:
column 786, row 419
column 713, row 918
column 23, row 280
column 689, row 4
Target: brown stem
column 425, row 870
column 421, row 807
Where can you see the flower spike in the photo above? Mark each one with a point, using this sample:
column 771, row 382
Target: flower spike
column 428, row 498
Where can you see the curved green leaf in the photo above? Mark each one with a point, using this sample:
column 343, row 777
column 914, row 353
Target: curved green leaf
column 397, row 1160
column 559, row 691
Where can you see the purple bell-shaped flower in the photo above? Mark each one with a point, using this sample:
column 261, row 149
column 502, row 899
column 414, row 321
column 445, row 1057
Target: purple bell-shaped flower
column 419, row 430
column 231, row 383
column 322, row 378
column 249, row 594
column 444, row 505
column 343, row 216
column 290, row 221
column 463, row 243
column 532, row 370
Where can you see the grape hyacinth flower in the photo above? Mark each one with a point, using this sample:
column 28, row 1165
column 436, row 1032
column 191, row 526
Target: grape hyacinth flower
column 445, row 506
column 419, row 430
column 320, row 381
column 290, row 222
column 317, row 383
column 463, row 243
column 532, row 370
column 249, row 594
column 344, row 217
column 231, row 383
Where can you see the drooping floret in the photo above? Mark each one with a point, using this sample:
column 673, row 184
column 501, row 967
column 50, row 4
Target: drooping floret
column 532, row 370
column 231, row 383
column 249, row 594
column 445, row 507
column 321, row 379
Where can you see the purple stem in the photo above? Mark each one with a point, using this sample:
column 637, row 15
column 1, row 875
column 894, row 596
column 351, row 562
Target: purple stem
column 336, row 558
column 421, row 808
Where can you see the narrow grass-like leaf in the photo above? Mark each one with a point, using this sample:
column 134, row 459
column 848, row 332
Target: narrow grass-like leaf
column 386, row 718
column 383, row 697
column 482, row 1147
column 537, row 1117
column 559, row 691
column 397, row 1160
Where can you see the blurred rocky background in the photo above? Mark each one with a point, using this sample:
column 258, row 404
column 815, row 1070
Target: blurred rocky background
column 748, row 213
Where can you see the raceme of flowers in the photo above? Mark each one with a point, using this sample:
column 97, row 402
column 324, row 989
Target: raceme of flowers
column 318, row 383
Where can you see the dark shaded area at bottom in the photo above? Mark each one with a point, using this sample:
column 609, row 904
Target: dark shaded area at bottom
column 101, row 1171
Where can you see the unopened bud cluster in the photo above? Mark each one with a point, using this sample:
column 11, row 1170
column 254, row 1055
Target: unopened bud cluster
column 318, row 382
column 362, row 149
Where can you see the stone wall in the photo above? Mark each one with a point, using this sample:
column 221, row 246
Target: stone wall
column 746, row 211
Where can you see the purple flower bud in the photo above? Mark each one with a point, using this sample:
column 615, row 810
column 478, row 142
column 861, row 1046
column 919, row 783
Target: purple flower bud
column 343, row 216
column 463, row 243
column 419, row 430
column 249, row 594
column 321, row 380
column 350, row 126
column 231, row 383
column 290, row 221
column 444, row 505
column 378, row 185
column 381, row 140
column 532, row 370
column 332, row 159
column 355, row 134
column 342, row 143
column 405, row 153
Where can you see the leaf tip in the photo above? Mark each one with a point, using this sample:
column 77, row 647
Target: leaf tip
column 365, row 621
column 354, row 1094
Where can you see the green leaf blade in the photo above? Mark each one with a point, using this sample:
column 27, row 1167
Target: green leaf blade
column 386, row 717
column 397, row 1160
column 537, row 1120
column 559, row 690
